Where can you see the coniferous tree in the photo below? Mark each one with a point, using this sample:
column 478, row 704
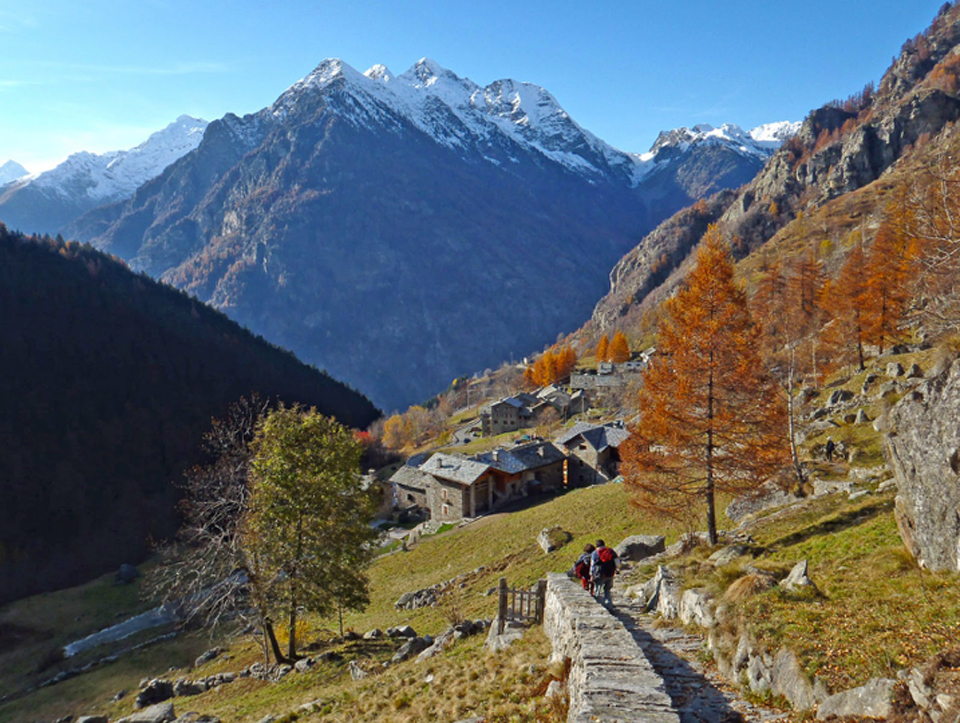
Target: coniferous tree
column 603, row 349
column 710, row 420
column 619, row 348
column 846, row 300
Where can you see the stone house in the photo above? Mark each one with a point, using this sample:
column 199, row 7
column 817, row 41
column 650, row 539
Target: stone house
column 524, row 469
column 410, row 487
column 505, row 415
column 460, row 487
column 592, row 452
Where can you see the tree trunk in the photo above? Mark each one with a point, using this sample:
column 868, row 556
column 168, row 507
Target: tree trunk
column 711, row 511
column 268, row 628
column 797, row 467
column 340, row 615
column 292, row 648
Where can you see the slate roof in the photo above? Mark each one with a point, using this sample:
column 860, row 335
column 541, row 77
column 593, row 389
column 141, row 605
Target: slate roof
column 454, row 468
column 600, row 437
column 519, row 459
column 410, row 477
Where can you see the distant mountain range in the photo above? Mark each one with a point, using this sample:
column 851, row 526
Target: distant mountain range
column 45, row 202
column 401, row 231
column 11, row 171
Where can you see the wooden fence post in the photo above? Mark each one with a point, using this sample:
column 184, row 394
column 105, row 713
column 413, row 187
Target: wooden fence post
column 541, row 600
column 502, row 613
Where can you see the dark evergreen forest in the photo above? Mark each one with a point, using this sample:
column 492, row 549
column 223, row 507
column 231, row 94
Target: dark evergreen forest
column 108, row 381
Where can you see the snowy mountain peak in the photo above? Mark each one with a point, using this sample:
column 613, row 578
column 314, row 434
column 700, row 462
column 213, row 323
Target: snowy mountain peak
column 380, row 72
column 11, row 171
column 115, row 175
column 760, row 142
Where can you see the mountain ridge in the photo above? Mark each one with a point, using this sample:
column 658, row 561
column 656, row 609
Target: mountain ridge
column 350, row 218
column 46, row 202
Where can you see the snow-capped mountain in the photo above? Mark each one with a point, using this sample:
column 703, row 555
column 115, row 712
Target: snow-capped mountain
column 402, row 230
column 11, row 171
column 760, row 142
column 47, row 201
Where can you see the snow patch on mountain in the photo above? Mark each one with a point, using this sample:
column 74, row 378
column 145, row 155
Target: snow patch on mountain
column 760, row 142
column 458, row 113
column 115, row 175
column 11, row 171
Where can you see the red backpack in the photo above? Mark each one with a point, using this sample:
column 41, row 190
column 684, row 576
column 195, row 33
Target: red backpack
column 608, row 565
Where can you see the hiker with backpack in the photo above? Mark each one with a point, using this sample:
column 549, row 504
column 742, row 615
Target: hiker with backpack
column 603, row 566
column 581, row 568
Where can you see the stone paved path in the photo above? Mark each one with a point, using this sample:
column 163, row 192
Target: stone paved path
column 699, row 693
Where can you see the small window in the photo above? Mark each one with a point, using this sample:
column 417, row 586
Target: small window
column 446, row 510
column 444, row 495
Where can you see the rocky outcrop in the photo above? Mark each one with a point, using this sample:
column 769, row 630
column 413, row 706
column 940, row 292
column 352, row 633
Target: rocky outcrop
column 923, row 450
column 873, row 700
column 640, row 547
column 610, row 678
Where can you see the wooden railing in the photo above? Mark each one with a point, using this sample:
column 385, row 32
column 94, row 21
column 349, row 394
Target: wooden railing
column 521, row 606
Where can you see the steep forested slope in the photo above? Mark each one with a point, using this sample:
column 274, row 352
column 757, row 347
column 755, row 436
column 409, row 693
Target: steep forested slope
column 108, row 380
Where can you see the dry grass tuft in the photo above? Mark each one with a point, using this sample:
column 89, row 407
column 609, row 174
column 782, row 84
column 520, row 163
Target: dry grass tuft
column 747, row 587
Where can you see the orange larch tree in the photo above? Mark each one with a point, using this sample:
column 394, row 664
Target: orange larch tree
column 710, row 418
column 619, row 348
column 890, row 270
column 846, row 301
column 603, row 349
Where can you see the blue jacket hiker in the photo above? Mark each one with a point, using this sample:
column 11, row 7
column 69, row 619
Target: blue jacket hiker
column 603, row 566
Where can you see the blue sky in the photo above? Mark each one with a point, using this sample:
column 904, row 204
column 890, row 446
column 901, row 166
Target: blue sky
column 100, row 75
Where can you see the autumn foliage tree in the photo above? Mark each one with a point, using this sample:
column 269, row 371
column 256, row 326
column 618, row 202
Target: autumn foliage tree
column 619, row 348
column 554, row 364
column 846, row 301
column 603, row 349
column 710, row 421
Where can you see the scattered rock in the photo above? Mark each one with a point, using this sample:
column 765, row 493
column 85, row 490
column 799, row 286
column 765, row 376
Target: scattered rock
column 331, row 657
column 157, row 713
column 553, row 538
column 895, row 369
column 861, row 417
column 495, row 642
column 697, row 607
column 724, row 557
column 788, row 680
column 410, row 648
column 914, row 372
column 351, row 635
column 121, row 694
column 554, row 690
column 374, row 634
column 155, row 691
column 662, row 593
column 798, row 579
column 640, row 547
column 194, row 717
column 402, row 631
column 771, row 495
column 887, row 388
column 184, row 687
column 92, row 719
column 206, row 657
column 839, row 396
column 857, row 494
column 873, row 700
column 304, row 664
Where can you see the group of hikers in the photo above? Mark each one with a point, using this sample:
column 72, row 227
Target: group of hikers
column 596, row 568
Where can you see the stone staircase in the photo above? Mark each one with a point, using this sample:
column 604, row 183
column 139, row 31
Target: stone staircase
column 699, row 694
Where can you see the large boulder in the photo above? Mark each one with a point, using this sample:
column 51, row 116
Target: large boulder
column 873, row 700
column 159, row 713
column 553, row 538
column 155, row 691
column 923, row 450
column 640, row 547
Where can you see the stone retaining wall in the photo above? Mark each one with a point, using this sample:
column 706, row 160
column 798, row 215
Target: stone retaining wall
column 610, row 677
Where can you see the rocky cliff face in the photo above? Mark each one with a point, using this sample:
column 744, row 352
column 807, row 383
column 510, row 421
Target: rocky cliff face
column 923, row 450
column 839, row 148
